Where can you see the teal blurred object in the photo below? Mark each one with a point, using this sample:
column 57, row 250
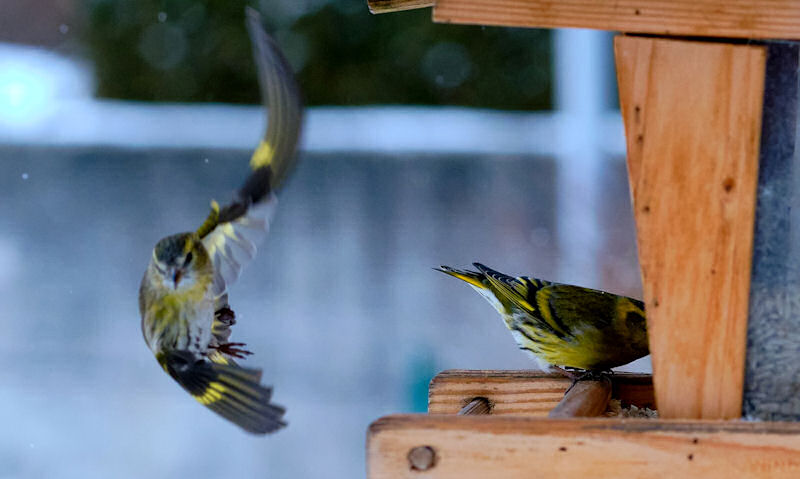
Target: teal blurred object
column 422, row 367
column 197, row 51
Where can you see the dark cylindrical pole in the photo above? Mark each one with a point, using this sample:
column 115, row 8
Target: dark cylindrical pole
column 772, row 368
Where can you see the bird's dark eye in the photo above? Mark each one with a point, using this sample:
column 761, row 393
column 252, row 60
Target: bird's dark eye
column 188, row 259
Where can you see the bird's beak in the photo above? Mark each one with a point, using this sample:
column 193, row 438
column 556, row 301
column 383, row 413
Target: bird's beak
column 176, row 278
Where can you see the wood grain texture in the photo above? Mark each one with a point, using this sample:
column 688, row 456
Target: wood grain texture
column 524, row 447
column 387, row 6
column 692, row 114
column 532, row 393
column 708, row 18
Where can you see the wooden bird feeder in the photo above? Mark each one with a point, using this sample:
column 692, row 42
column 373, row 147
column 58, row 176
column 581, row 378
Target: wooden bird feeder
column 708, row 93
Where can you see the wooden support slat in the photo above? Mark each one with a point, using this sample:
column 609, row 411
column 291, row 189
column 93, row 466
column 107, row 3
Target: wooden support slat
column 525, row 447
column 709, row 18
column 692, row 114
column 532, row 393
column 388, row 6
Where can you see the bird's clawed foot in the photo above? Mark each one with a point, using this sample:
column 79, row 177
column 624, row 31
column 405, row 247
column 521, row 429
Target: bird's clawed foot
column 225, row 315
column 233, row 349
column 567, row 372
column 583, row 375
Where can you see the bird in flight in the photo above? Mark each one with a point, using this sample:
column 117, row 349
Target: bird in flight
column 183, row 297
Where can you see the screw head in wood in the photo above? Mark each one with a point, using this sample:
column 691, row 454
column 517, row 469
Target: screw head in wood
column 421, row 458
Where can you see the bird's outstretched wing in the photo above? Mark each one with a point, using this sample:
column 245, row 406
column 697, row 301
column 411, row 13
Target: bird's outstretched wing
column 232, row 244
column 230, row 234
column 281, row 94
column 231, row 391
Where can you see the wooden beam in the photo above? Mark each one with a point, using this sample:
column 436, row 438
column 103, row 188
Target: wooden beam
column 388, row 6
column 707, row 18
column 692, row 114
column 532, row 393
column 524, row 447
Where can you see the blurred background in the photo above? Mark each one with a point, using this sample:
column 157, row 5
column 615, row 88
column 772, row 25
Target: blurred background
column 425, row 144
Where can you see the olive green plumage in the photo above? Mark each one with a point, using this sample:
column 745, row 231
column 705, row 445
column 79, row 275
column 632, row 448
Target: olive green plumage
column 561, row 324
column 183, row 300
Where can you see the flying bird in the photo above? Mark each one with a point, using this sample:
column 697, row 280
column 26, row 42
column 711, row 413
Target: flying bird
column 183, row 297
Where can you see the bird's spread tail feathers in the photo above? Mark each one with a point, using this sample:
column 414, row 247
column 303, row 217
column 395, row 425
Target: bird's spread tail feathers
column 231, row 391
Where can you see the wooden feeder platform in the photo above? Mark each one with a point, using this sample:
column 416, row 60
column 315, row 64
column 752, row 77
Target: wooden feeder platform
column 709, row 96
column 515, row 438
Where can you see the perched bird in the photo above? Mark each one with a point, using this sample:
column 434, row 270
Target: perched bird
column 183, row 297
column 563, row 325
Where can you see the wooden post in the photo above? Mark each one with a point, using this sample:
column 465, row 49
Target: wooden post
column 692, row 114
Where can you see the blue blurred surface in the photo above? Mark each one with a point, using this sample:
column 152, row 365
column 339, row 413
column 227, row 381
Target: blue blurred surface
column 341, row 306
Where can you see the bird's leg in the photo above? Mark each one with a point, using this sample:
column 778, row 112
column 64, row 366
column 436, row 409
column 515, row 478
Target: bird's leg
column 232, row 349
column 592, row 376
column 225, row 315
column 583, row 375
column 596, row 375
column 575, row 377
column 566, row 373
column 224, row 318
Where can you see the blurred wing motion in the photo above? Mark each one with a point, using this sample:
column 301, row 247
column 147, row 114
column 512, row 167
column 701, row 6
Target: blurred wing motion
column 230, row 235
column 231, row 391
column 281, row 95
column 562, row 324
